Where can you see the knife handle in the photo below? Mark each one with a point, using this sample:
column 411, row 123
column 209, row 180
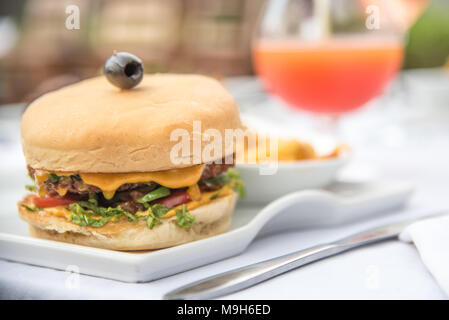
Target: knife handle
column 241, row 278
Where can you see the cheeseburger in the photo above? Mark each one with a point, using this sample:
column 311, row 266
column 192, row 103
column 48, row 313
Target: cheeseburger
column 101, row 161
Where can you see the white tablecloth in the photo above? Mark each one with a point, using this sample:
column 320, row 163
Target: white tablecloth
column 391, row 270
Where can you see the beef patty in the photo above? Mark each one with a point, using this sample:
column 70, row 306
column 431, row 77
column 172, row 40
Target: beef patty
column 128, row 193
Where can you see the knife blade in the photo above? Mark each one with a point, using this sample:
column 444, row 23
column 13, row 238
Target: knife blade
column 247, row 276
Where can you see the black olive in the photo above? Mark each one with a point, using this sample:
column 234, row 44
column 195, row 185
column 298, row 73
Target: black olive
column 123, row 70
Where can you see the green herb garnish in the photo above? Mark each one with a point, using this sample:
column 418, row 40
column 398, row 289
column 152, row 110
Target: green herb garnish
column 183, row 218
column 53, row 177
column 155, row 194
column 231, row 177
column 239, row 187
column 218, row 181
column 159, row 210
column 76, row 177
column 33, row 209
column 81, row 217
column 153, row 221
column 215, row 195
column 31, row 188
column 232, row 174
column 155, row 213
column 83, row 211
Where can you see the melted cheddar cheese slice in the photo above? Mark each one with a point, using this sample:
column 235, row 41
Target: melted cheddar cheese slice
column 176, row 178
column 110, row 182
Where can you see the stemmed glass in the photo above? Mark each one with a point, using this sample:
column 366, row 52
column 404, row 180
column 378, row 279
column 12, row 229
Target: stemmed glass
column 328, row 57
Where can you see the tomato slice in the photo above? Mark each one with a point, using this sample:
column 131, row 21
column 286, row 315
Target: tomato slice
column 48, row 202
column 175, row 199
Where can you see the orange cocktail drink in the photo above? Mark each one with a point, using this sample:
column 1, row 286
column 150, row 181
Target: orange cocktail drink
column 331, row 76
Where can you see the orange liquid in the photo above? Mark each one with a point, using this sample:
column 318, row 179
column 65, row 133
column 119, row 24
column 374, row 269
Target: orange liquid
column 330, row 77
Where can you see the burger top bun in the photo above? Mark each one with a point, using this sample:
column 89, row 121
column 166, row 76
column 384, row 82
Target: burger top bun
column 92, row 126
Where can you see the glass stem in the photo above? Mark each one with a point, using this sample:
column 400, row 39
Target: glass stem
column 330, row 125
column 322, row 13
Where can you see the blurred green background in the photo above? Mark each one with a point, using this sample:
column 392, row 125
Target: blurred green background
column 428, row 43
column 37, row 53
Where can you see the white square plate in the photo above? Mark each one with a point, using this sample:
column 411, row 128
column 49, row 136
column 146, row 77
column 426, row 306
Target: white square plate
column 339, row 203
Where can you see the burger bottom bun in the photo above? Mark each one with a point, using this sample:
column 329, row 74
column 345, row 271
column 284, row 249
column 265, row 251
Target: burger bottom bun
column 210, row 219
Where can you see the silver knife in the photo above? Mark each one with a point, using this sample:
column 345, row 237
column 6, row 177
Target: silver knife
column 244, row 277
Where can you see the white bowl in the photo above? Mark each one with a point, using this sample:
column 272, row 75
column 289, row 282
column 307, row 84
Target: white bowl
column 289, row 177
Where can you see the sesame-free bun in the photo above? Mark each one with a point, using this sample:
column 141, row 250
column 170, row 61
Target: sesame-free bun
column 210, row 219
column 92, row 126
